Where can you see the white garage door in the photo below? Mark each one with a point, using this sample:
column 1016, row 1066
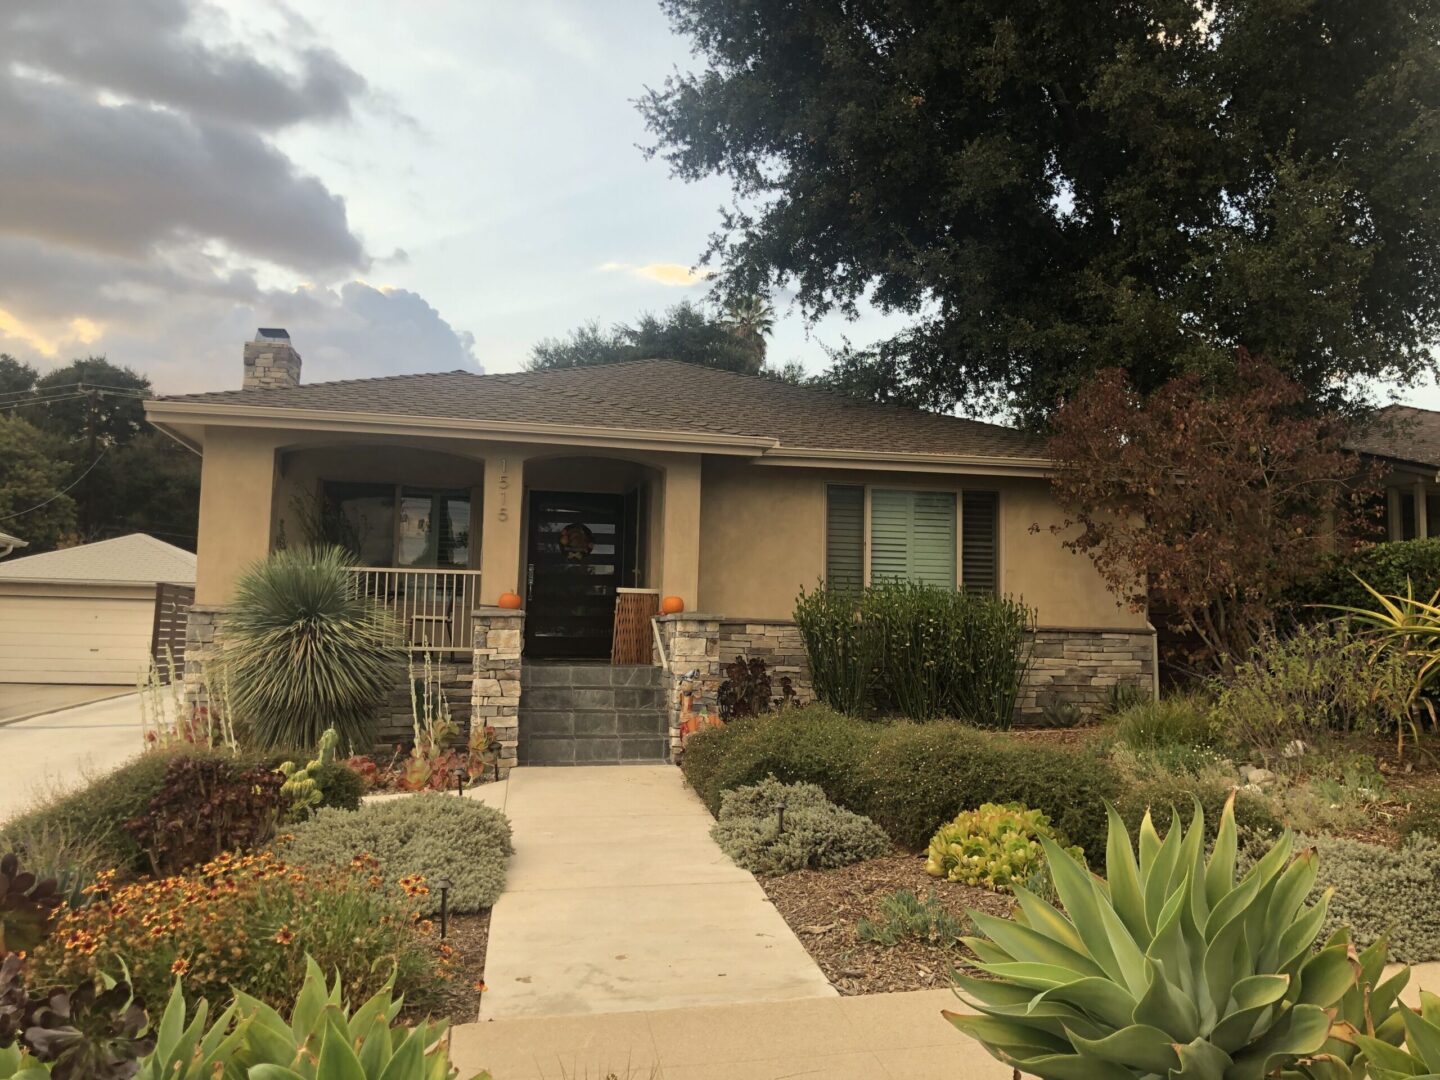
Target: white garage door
column 74, row 639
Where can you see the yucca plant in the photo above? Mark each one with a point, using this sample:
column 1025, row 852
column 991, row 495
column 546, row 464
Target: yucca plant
column 304, row 651
column 1173, row 968
column 1421, row 1055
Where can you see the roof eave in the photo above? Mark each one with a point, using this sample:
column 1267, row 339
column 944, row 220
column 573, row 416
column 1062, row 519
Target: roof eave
column 972, row 464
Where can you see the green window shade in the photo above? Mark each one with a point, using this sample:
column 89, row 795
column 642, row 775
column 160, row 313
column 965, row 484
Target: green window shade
column 980, row 525
column 912, row 536
column 844, row 537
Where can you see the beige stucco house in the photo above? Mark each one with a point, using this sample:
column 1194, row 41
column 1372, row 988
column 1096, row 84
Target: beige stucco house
column 1405, row 442
column 583, row 489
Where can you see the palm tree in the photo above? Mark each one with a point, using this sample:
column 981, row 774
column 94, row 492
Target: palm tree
column 751, row 319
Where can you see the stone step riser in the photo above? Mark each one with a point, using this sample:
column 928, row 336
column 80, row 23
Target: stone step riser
column 600, row 751
column 590, row 697
column 545, row 723
column 590, row 675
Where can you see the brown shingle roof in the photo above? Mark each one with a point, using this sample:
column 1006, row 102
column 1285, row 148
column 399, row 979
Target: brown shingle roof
column 653, row 395
column 1402, row 433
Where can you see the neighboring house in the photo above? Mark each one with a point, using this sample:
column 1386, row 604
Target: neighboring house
column 9, row 543
column 573, row 487
column 1406, row 442
column 85, row 614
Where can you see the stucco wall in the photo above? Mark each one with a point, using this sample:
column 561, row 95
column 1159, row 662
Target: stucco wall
column 762, row 537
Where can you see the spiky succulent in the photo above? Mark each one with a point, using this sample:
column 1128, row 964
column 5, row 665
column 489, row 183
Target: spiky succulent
column 1174, row 969
column 1421, row 1056
column 27, row 906
column 92, row 1032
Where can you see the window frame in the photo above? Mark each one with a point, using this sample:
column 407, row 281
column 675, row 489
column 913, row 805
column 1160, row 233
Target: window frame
column 958, row 491
column 398, row 489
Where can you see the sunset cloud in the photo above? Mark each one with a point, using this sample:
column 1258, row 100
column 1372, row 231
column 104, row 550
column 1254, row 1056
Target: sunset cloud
column 677, row 275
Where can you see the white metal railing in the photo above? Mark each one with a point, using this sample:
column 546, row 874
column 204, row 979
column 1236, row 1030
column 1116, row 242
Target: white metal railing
column 433, row 607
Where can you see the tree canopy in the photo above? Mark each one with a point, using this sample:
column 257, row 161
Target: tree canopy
column 734, row 340
column 32, row 476
column 1053, row 188
column 126, row 477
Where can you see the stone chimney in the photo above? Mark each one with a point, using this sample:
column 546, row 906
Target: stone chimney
column 270, row 360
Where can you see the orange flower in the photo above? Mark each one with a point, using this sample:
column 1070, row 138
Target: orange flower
column 479, row 987
column 180, row 966
column 284, row 935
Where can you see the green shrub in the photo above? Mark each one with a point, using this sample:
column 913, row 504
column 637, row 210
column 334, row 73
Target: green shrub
column 905, row 917
column 48, row 851
column 1318, row 681
column 1381, row 890
column 814, row 745
column 814, row 834
column 907, row 778
column 96, row 813
column 1182, row 720
column 1422, row 818
column 341, row 787
column 919, row 651
column 431, row 834
column 304, row 651
column 1255, row 814
column 1388, row 567
column 994, row 846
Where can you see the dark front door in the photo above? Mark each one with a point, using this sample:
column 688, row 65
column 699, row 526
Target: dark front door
column 575, row 560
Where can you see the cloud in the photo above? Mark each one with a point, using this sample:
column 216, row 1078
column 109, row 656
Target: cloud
column 147, row 212
column 673, row 274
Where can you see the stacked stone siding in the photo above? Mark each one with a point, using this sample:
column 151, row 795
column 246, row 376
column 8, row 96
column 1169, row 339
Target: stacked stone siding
column 204, row 631
column 1081, row 667
column 495, row 701
column 270, row 364
column 777, row 642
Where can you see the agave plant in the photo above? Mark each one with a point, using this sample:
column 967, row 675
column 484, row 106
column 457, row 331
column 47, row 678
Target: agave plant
column 304, row 651
column 1421, row 1056
column 1173, row 968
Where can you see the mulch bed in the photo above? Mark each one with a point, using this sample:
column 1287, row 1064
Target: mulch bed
column 823, row 906
column 458, row 999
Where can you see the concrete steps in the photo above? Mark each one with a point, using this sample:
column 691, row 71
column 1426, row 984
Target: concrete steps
column 579, row 713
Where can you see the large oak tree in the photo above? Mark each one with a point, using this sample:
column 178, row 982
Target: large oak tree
column 1051, row 187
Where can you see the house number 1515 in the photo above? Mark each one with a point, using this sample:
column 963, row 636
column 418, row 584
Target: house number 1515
column 502, row 484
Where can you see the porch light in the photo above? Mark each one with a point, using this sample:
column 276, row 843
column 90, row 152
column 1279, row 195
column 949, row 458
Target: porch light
column 444, row 886
column 780, row 825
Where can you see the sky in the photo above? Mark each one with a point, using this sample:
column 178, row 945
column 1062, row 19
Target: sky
column 423, row 186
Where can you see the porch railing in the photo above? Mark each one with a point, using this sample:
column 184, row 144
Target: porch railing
column 433, row 607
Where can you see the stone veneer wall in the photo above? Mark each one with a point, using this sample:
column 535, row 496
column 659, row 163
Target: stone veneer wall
column 204, row 627
column 454, row 671
column 1076, row 666
column 1079, row 666
column 495, row 702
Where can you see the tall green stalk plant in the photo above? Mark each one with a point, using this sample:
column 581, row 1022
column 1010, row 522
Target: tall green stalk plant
column 919, row 651
column 304, row 651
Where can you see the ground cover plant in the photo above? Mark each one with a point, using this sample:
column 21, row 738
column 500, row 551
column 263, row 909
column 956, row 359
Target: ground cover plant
column 430, row 835
column 903, row 916
column 774, row 828
column 1383, row 893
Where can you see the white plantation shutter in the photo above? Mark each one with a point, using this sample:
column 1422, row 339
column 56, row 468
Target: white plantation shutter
column 912, row 536
column 980, row 540
column 844, row 536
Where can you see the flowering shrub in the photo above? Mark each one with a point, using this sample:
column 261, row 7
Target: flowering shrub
column 994, row 846
column 249, row 921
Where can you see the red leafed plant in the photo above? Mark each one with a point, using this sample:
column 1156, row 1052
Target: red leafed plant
column 1212, row 500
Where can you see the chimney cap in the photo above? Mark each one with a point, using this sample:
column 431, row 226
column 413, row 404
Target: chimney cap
column 272, row 333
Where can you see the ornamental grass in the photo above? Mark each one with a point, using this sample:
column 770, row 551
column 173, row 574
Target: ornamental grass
column 248, row 922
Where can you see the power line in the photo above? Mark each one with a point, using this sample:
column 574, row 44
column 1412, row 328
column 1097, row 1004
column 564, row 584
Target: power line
column 65, row 491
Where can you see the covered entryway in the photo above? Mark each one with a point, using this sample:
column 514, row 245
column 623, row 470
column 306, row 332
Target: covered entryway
column 576, row 557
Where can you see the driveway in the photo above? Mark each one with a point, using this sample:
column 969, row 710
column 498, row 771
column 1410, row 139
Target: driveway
column 617, row 900
column 19, row 700
column 60, row 749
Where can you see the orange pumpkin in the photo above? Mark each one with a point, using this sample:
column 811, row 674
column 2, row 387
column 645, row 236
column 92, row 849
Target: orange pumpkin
column 672, row 605
column 509, row 600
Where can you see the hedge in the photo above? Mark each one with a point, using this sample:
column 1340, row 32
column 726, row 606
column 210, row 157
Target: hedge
column 1387, row 567
column 908, row 778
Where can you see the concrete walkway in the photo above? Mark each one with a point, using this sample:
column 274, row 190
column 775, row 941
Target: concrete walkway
column 61, row 749
column 617, row 900
column 874, row 1037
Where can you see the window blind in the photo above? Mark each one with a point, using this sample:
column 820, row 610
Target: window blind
column 912, row 536
column 844, row 536
column 980, row 527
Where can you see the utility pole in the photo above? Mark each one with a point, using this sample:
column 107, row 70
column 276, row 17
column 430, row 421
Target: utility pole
column 92, row 439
